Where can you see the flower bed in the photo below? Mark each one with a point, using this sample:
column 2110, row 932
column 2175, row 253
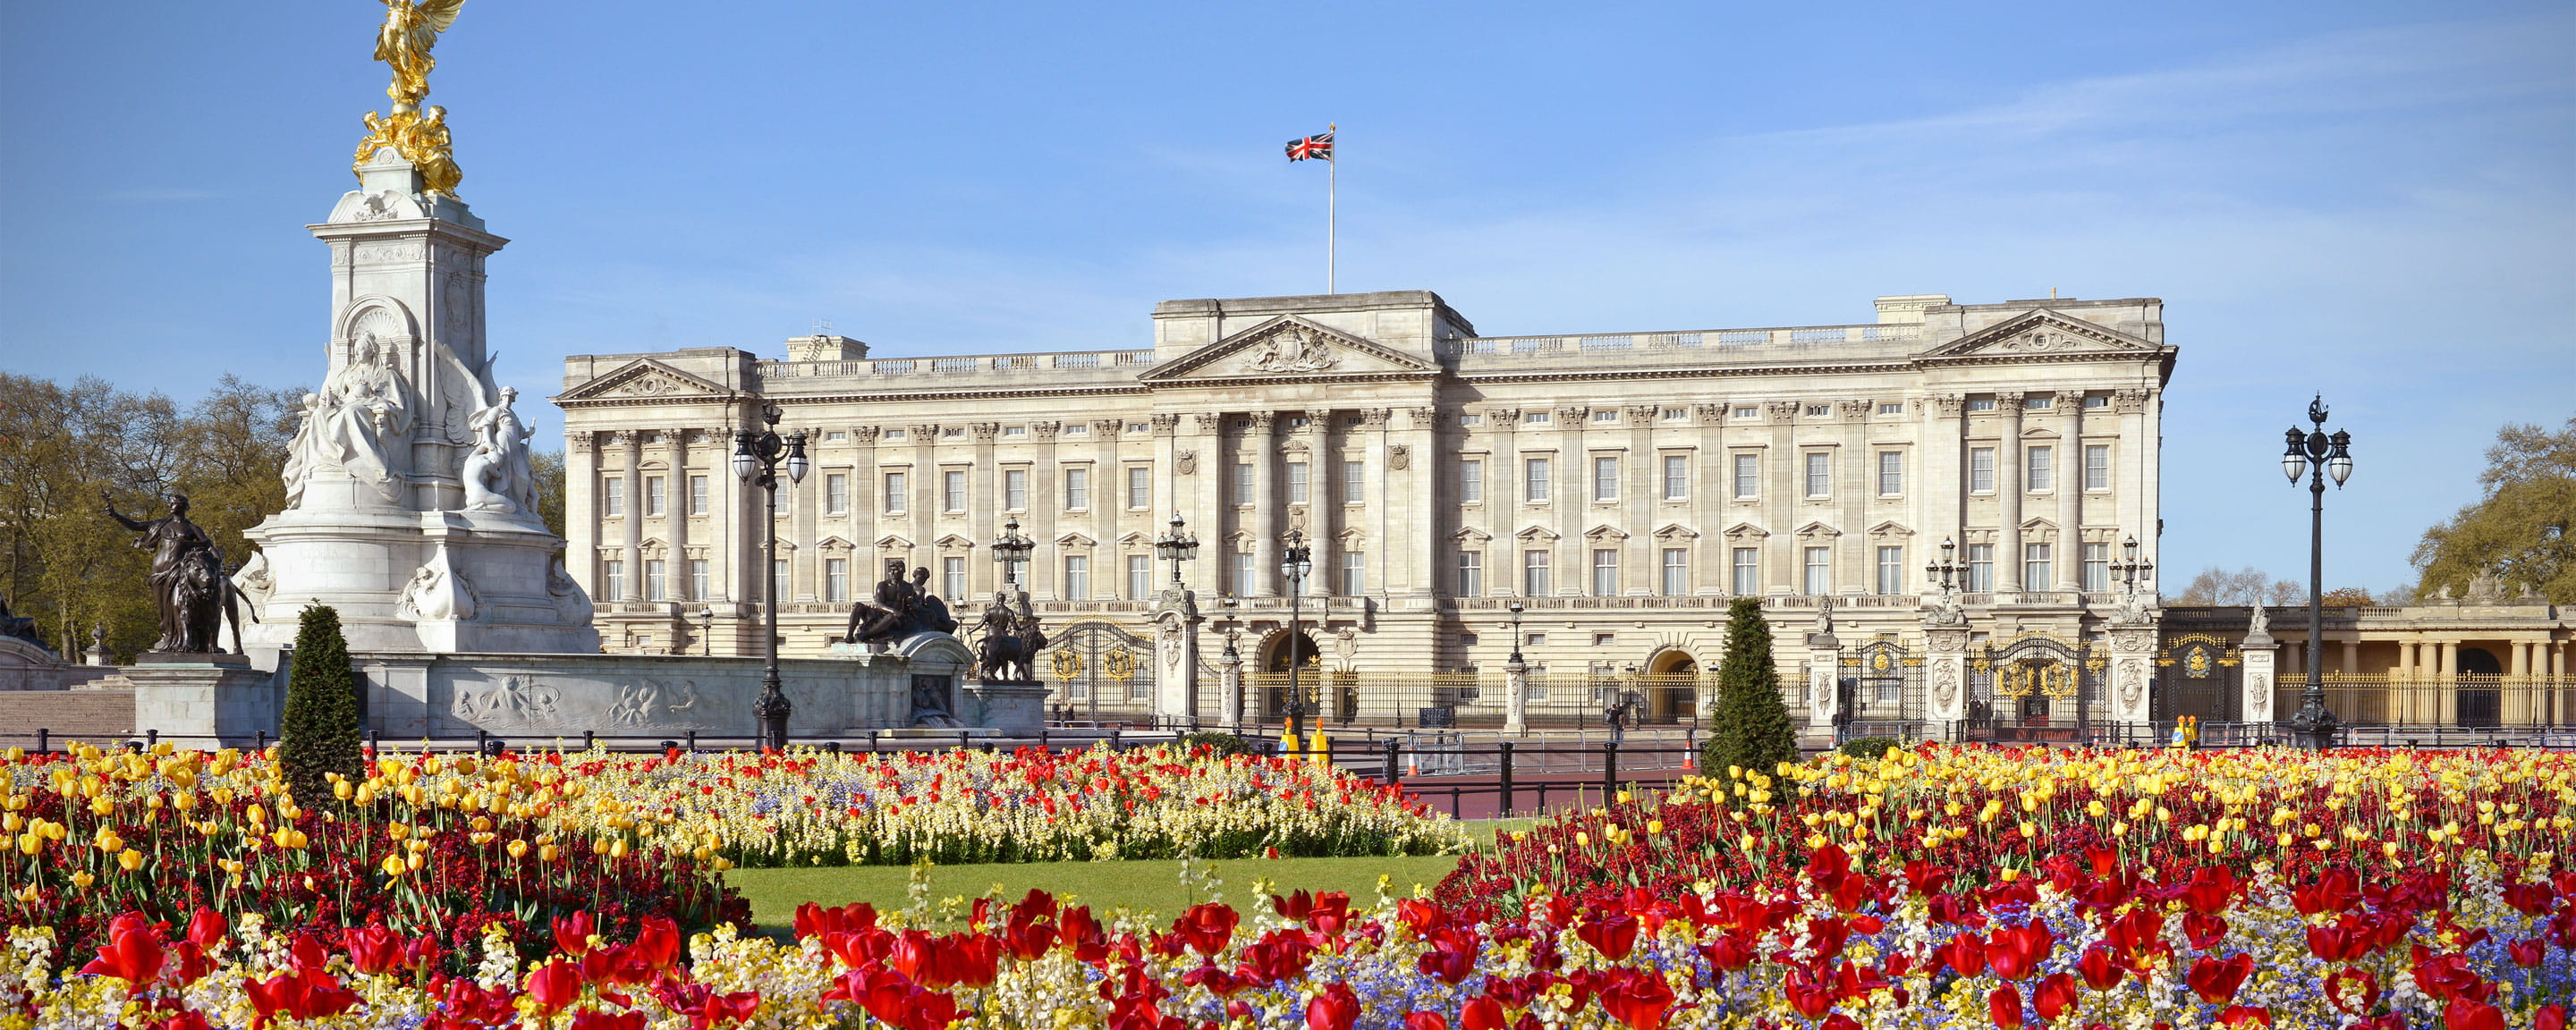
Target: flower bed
column 2093, row 944
column 811, row 807
column 413, row 847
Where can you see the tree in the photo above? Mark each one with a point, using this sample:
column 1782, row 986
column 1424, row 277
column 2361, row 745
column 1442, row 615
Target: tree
column 1750, row 727
column 2248, row 585
column 2347, row 597
column 549, row 469
column 318, row 733
column 2523, row 526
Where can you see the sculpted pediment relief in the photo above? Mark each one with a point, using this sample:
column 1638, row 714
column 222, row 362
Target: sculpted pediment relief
column 2043, row 333
column 645, row 379
column 1471, row 535
column 1289, row 346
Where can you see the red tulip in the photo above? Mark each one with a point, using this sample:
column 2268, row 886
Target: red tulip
column 1637, row 997
column 2550, row 1017
column 207, row 928
column 2464, row 1014
column 2015, row 951
column 2352, row 990
column 1965, row 953
column 2052, row 996
column 2215, row 981
column 133, row 954
column 302, row 995
column 2004, row 1006
column 1482, row 1013
column 2527, row 953
column 554, row 985
column 2245, row 1015
column 2101, row 970
column 573, row 932
column 372, row 948
column 2211, row 890
column 657, row 942
column 1207, row 929
column 1334, row 1009
column 1419, row 1020
column 1613, row 937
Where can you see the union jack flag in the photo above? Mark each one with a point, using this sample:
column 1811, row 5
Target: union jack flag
column 1311, row 147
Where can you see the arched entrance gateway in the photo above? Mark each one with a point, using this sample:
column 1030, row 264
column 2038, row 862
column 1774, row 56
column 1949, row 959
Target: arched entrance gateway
column 1671, row 688
column 1277, row 653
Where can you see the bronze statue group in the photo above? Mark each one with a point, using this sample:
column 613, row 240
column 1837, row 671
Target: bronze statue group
column 902, row 606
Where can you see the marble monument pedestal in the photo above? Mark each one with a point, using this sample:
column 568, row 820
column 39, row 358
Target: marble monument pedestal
column 205, row 701
column 439, row 582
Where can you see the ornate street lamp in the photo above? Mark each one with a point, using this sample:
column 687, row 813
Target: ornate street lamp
column 756, row 457
column 706, row 630
column 2129, row 569
column 1012, row 550
column 2317, row 454
column 1176, row 547
column 1516, row 608
column 1295, row 563
column 1947, row 571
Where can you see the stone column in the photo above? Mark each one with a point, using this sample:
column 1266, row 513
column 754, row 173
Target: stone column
column 1105, row 502
column 1503, row 503
column 1414, row 467
column 1376, row 497
column 806, row 502
column 1515, row 698
column 2261, row 677
column 1824, row 669
column 1229, row 671
column 1940, row 478
column 633, row 443
column 1045, row 499
column 2008, row 488
column 1709, row 499
column 2133, row 650
column 1643, row 568
column 1319, row 510
column 1781, row 488
column 865, row 487
column 1267, row 499
column 2351, row 656
column 1194, row 474
column 581, row 510
column 2133, row 482
column 724, row 524
column 1855, row 568
column 922, row 518
column 2069, row 470
column 676, row 513
column 984, row 506
column 1573, row 491
column 1945, row 671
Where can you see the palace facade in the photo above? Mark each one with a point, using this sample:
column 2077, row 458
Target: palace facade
column 1625, row 487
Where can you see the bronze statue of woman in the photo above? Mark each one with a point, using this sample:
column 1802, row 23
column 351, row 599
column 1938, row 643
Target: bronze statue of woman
column 187, row 578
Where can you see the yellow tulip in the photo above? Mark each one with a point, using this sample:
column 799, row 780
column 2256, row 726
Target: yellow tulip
column 130, row 861
column 82, row 880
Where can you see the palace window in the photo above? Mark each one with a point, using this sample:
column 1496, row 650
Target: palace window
column 836, row 579
column 1297, row 485
column 1471, row 482
column 1471, row 420
column 2097, row 466
column 1015, row 430
column 1981, row 470
column 1077, row 489
column 1140, row 487
column 1605, row 479
column 2096, row 401
column 836, row 494
column 2035, row 567
column 1140, row 577
column 1891, row 570
column 1676, row 571
column 1820, row 474
column 1981, row 569
column 1676, row 477
column 952, row 491
column 1243, row 483
column 612, row 577
column 698, row 579
column 1819, row 410
column 1354, row 482
column 2097, row 567
column 1471, row 574
column 655, row 579
column 1748, row 412
column 2041, row 402
column 1242, row 577
column 1535, row 418
column 1891, row 473
column 1077, row 577
column 895, row 497
column 1534, row 573
column 1606, row 415
column 786, row 585
column 1605, row 572
column 697, row 495
column 1747, row 571
column 1015, row 489
column 2037, row 461
column 952, row 578
column 1820, row 571
column 1676, row 414
column 1981, row 404
column 1354, row 573
column 1534, row 480
column 1748, row 476
column 653, row 497
column 1891, row 407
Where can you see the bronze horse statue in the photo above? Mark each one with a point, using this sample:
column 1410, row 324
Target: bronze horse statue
column 1009, row 651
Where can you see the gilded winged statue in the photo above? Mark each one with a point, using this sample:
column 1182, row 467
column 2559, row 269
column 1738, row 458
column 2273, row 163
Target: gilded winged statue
column 411, row 29
column 420, row 135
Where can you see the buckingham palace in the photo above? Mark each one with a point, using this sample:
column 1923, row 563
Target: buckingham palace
column 1921, row 500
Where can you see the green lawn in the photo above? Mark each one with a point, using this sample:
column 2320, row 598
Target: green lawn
column 1152, row 886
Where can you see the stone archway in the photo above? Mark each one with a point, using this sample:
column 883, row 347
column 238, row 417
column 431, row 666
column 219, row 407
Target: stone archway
column 2480, row 695
column 1670, row 682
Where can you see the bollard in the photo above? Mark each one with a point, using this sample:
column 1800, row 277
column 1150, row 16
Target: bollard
column 1114, row 743
column 152, row 738
column 1042, row 743
column 375, row 741
column 589, row 739
column 872, row 742
column 1394, row 772
column 964, row 743
column 693, row 742
column 669, row 746
column 44, row 741
column 482, row 739
column 1609, row 770
column 833, row 747
column 262, row 738
column 1506, row 810
column 133, row 747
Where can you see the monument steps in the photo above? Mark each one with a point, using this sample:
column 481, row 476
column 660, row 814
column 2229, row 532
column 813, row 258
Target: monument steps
column 95, row 716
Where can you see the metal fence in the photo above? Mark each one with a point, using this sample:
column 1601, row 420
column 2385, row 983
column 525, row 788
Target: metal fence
column 1352, row 698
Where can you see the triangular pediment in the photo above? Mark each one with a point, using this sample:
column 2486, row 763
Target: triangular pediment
column 1818, row 531
column 1074, row 540
column 645, row 379
column 1290, row 346
column 888, row 542
column 1535, row 533
column 1676, row 531
column 1889, row 531
column 2043, row 333
column 1606, row 532
column 1746, row 531
column 1471, row 535
column 951, row 542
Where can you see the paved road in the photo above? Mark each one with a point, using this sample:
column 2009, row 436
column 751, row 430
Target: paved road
column 1475, row 796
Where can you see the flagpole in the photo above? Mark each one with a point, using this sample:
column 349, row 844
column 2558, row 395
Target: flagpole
column 1332, row 176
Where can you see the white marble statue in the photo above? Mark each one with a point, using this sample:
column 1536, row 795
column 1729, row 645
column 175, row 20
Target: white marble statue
column 497, row 474
column 359, row 424
column 437, row 591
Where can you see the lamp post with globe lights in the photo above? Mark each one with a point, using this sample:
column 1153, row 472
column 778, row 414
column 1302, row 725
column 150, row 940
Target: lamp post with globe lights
column 1295, row 563
column 756, row 457
column 2316, row 454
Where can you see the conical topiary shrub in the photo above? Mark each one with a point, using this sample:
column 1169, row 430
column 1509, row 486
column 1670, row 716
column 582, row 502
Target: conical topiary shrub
column 319, row 732
column 1750, row 727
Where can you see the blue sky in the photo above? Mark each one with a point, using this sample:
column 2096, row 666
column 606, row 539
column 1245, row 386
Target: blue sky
column 2374, row 200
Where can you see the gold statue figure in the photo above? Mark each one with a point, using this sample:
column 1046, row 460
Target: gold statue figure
column 418, row 134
